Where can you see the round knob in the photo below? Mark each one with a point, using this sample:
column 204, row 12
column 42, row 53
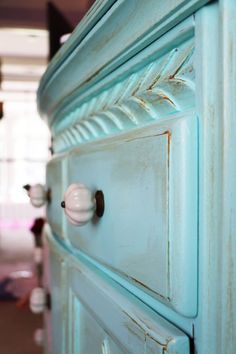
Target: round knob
column 38, row 195
column 80, row 204
column 37, row 300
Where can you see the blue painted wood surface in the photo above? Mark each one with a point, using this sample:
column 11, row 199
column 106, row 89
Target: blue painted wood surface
column 145, row 113
column 101, row 315
column 143, row 233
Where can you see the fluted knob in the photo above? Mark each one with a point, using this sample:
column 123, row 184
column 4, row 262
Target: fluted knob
column 80, row 204
column 37, row 194
column 37, row 300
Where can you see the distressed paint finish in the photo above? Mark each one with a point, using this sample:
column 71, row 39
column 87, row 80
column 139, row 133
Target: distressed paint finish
column 148, row 244
column 58, row 275
column 162, row 95
column 162, row 88
column 228, row 240
column 68, row 114
column 109, row 312
column 128, row 36
column 216, row 79
column 85, row 328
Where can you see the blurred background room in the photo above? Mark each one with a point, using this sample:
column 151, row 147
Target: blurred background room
column 30, row 35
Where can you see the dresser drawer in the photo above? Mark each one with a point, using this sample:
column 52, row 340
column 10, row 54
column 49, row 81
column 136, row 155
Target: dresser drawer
column 148, row 232
column 87, row 334
column 104, row 318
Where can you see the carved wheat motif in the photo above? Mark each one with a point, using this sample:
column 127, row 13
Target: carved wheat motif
column 160, row 89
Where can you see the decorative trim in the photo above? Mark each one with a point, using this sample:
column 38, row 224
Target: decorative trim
column 103, row 42
column 160, row 89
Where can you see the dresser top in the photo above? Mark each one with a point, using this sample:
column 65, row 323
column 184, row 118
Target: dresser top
column 111, row 33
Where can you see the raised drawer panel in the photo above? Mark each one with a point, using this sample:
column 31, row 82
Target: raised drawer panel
column 149, row 229
column 135, row 225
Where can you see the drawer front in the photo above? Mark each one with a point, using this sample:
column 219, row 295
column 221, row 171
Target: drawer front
column 87, row 335
column 56, row 181
column 106, row 319
column 149, row 229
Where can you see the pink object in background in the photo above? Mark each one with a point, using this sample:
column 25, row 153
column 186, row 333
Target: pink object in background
column 15, row 224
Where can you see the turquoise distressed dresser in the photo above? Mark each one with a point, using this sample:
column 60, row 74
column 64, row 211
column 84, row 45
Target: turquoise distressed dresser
column 141, row 103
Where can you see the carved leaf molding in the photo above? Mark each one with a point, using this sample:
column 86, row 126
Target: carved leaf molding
column 162, row 88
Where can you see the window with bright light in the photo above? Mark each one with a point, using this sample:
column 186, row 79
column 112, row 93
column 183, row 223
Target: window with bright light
column 24, row 150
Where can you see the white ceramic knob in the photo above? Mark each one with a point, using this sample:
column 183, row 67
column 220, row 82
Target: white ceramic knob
column 39, row 337
column 38, row 195
column 79, row 203
column 37, row 300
